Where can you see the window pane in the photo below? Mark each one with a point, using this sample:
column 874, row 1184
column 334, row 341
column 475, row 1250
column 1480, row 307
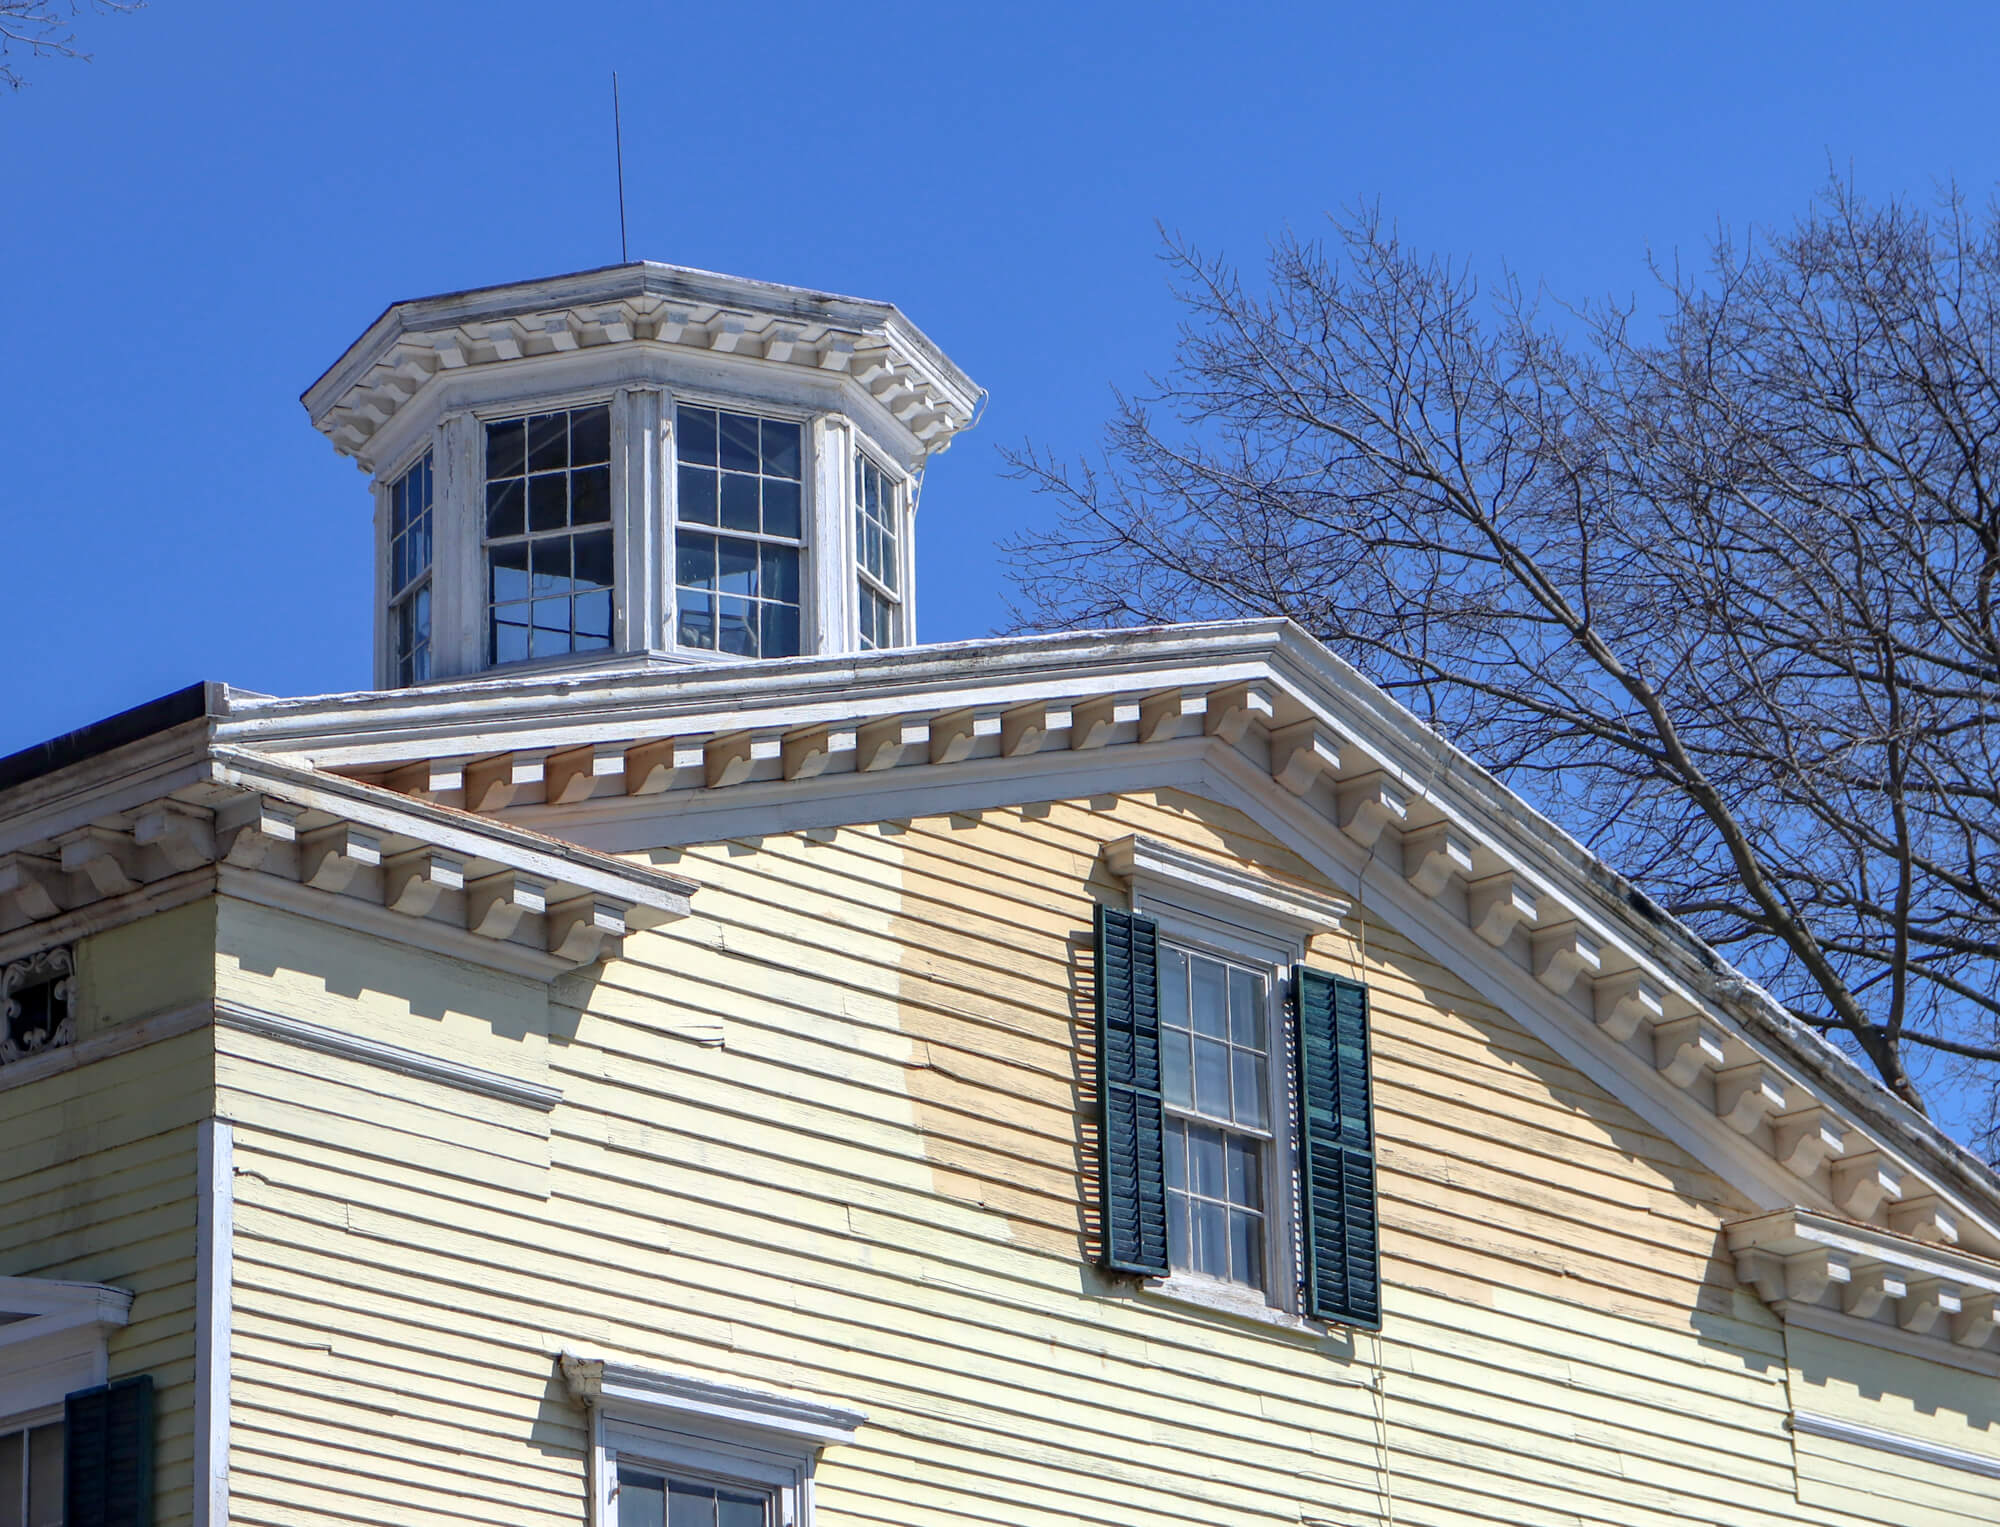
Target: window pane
column 696, row 561
column 1246, row 1247
column 697, row 495
column 1175, row 1143
column 781, row 508
column 1176, row 1070
column 735, row 632
column 1244, row 1188
column 694, row 430
column 780, row 574
column 1249, row 1099
column 548, row 501
column 506, row 448
column 1174, row 987
column 738, row 1510
column 781, row 448
column 1246, row 1009
column 736, row 566
column 1211, row 1013
column 1207, row 1173
column 593, row 560
column 739, row 442
column 1180, row 1253
column 593, row 620
column 551, row 567
column 45, row 1476
column 642, row 1500
column 780, row 631
column 13, row 1458
column 510, row 633
column 1211, row 1077
column 1211, row 1238
column 590, row 496
column 739, row 502
column 551, row 634
column 508, row 572
column 589, row 436
column 548, row 442
column 504, row 502
column 696, row 619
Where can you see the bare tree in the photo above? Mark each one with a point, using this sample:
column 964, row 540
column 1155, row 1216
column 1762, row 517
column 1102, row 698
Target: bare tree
column 41, row 29
column 1720, row 591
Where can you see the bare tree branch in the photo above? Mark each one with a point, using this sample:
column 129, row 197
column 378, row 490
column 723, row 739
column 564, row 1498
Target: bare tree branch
column 41, row 29
column 1722, row 593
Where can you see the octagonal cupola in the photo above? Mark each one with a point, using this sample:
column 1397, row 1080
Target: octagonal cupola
column 641, row 463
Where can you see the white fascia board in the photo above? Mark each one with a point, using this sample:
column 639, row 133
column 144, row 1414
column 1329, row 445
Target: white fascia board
column 123, row 779
column 635, row 702
column 652, row 1395
column 1918, row 1448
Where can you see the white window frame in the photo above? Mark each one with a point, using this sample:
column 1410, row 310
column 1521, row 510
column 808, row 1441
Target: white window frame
column 811, row 531
column 703, row 1431
column 898, row 486
column 393, row 600
column 1211, row 907
column 58, row 1348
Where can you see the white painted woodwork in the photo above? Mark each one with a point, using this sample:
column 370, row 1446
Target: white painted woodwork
column 1684, row 1048
column 1499, row 904
column 1433, row 855
column 1746, row 1095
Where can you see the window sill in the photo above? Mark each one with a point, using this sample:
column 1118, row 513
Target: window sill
column 1229, row 1299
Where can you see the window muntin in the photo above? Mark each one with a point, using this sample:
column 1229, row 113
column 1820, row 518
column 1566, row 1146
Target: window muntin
column 647, row 1499
column 741, row 532
column 1215, row 1077
column 549, row 552
column 31, row 1476
column 876, row 552
column 410, row 573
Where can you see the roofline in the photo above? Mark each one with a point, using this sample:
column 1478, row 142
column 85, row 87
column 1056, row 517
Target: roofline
column 204, row 700
column 608, row 283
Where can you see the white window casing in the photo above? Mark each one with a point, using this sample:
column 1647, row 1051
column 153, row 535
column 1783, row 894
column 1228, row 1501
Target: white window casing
column 52, row 1342
column 674, row 1424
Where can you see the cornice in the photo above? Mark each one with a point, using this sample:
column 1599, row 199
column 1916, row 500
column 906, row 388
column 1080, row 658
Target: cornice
column 648, row 1394
column 607, row 754
column 871, row 344
column 1865, row 1283
column 1156, row 868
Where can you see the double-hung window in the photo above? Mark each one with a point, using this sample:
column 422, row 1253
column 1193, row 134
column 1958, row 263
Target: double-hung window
column 1235, row 1132
column 648, row 1499
column 739, row 539
column 1216, row 1083
column 409, row 576
column 877, row 554
column 549, row 554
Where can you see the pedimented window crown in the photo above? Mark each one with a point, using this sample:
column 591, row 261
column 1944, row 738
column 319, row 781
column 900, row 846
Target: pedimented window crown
column 642, row 463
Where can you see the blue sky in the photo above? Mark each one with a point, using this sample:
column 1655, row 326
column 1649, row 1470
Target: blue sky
column 198, row 221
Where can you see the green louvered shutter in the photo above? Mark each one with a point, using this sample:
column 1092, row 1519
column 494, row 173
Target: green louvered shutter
column 1133, row 1191
column 1337, row 1150
column 108, row 1455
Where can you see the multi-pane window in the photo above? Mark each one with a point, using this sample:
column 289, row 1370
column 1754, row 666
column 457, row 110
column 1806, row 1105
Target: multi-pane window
column 740, row 536
column 31, row 1477
column 410, row 573
column 654, row 1500
column 1215, row 1076
column 875, row 552
column 548, row 534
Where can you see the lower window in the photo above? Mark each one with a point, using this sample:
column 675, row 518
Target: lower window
column 31, row 1476
column 656, row 1500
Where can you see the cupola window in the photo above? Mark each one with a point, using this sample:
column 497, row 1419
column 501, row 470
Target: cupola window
column 410, row 573
column 876, row 552
column 739, row 534
column 548, row 534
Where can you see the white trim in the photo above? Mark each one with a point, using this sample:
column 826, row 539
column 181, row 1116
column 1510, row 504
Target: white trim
column 59, row 1347
column 215, row 1249
column 1160, row 873
column 373, row 1052
column 669, row 1421
column 1813, row 1425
